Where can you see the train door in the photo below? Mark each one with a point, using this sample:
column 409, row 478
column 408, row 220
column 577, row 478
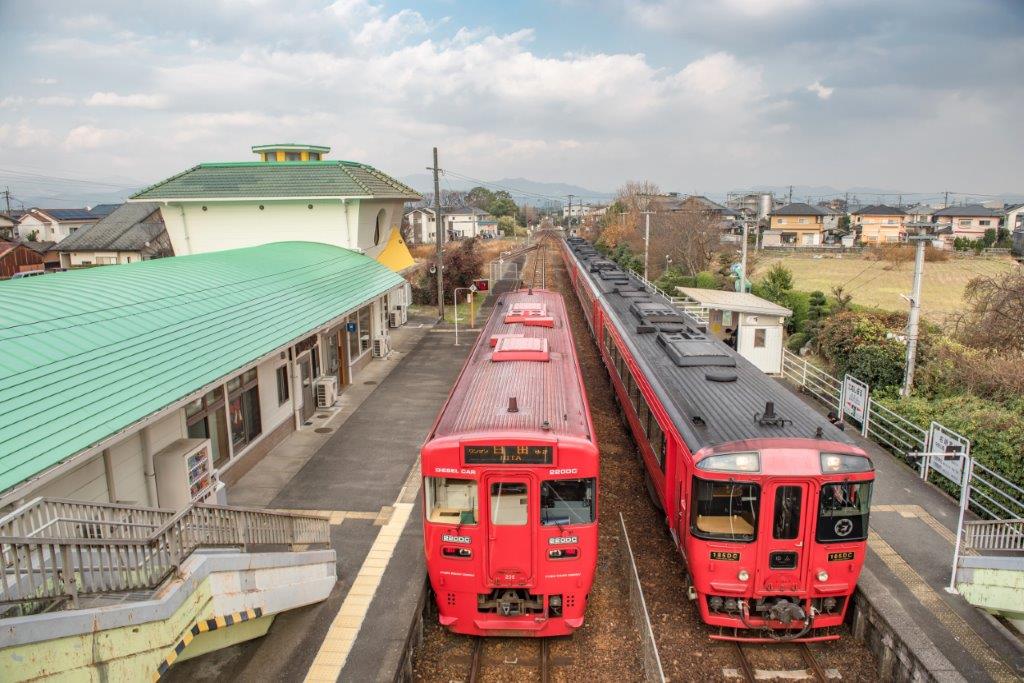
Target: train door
column 784, row 550
column 509, row 532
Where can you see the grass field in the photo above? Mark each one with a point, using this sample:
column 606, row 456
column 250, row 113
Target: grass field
column 880, row 284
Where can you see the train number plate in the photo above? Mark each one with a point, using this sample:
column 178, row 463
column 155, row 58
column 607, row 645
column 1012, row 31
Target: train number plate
column 725, row 556
column 449, row 538
column 562, row 540
column 508, row 455
column 841, row 557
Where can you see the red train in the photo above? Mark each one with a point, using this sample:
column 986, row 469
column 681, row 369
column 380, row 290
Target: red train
column 510, row 480
column 766, row 499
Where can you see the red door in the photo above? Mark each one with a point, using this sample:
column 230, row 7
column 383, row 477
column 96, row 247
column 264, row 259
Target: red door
column 509, row 537
column 783, row 544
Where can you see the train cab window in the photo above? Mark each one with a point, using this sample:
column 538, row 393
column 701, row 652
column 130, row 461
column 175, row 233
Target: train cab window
column 725, row 510
column 786, row 524
column 567, row 501
column 843, row 512
column 451, row 501
column 509, row 503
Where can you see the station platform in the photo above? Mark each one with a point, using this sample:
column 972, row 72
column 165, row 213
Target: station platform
column 359, row 465
column 910, row 558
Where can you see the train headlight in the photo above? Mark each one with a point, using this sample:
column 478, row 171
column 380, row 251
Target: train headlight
column 731, row 462
column 743, row 575
column 835, row 463
column 822, row 575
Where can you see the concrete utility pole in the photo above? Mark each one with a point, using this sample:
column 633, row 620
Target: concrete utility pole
column 7, row 196
column 743, row 260
column 790, row 195
column 915, row 313
column 438, row 238
column 568, row 217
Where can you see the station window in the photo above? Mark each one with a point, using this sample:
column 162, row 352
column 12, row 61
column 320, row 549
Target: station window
column 509, row 503
column 843, row 512
column 759, row 337
column 787, row 512
column 567, row 501
column 205, row 419
column 282, row 384
column 244, row 409
column 725, row 510
column 451, row 501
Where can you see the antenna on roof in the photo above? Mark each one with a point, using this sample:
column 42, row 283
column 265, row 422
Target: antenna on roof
column 768, row 418
column 513, row 404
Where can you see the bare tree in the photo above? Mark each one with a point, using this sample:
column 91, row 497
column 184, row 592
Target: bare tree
column 994, row 315
column 691, row 238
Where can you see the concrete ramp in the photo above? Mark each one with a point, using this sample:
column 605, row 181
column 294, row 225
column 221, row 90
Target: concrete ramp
column 218, row 598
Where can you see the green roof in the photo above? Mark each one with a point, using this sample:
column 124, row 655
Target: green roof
column 283, row 179
column 87, row 353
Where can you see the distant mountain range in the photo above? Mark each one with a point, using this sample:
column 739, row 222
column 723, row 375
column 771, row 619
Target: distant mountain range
column 523, row 190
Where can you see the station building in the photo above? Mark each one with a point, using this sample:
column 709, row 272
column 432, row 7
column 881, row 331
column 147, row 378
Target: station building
column 160, row 382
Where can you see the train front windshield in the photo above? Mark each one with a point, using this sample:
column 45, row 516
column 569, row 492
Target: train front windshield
column 843, row 512
column 567, row 501
column 725, row 510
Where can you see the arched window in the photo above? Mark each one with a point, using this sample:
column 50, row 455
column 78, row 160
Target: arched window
column 380, row 227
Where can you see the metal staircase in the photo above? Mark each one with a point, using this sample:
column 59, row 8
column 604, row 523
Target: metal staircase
column 61, row 554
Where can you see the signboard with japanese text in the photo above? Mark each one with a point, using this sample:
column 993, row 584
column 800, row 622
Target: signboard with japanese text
column 955, row 448
column 855, row 398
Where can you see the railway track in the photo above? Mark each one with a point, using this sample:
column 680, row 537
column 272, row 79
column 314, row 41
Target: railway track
column 748, row 671
column 478, row 661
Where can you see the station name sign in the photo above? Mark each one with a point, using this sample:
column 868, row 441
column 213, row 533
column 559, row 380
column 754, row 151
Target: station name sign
column 508, row 455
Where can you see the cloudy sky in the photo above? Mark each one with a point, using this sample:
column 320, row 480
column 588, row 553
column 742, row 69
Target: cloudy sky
column 697, row 95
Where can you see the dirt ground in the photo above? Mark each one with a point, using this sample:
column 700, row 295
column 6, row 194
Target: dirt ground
column 881, row 284
column 607, row 647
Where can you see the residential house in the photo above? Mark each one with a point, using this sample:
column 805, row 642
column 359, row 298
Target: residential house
column 920, row 213
column 7, row 226
column 17, row 258
column 1013, row 217
column 673, row 202
column 796, row 224
column 880, row 224
column 216, row 206
column 53, row 225
column 461, row 222
column 132, row 232
column 969, row 221
column 51, row 259
column 831, row 221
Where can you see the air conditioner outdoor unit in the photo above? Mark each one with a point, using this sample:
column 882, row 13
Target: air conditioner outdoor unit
column 326, row 389
column 380, row 347
column 394, row 319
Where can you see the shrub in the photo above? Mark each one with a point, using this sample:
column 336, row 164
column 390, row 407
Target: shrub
column 796, row 341
column 461, row 267
column 953, row 369
column 880, row 366
column 706, row 280
column 775, row 284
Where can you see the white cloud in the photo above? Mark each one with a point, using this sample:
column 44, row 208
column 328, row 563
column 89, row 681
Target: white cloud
column 720, row 74
column 12, row 102
column 44, row 81
column 822, row 91
column 56, row 101
column 88, row 137
column 137, row 101
column 24, row 135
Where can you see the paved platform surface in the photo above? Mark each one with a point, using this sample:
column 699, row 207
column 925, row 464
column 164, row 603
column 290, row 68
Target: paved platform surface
column 913, row 532
column 365, row 475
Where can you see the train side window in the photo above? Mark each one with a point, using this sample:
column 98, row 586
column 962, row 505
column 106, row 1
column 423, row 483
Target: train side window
column 657, row 441
column 645, row 416
column 634, row 393
column 451, row 501
column 509, row 503
column 567, row 501
column 787, row 512
column 725, row 510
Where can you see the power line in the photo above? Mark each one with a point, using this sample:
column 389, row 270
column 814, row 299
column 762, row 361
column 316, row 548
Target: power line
column 25, row 175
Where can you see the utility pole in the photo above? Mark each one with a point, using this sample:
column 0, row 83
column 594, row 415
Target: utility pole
column 945, row 204
column 790, row 195
column 915, row 314
column 743, row 260
column 438, row 238
column 7, row 196
column 568, row 218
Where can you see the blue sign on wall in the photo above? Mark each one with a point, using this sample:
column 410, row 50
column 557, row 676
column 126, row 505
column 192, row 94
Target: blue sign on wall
column 350, row 327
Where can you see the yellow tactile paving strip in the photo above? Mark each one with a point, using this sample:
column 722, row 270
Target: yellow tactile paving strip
column 922, row 514
column 934, row 603
column 341, row 635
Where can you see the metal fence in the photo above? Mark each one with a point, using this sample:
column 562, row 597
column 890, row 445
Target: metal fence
column 59, row 549
column 1004, row 536
column 638, row 606
column 689, row 306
